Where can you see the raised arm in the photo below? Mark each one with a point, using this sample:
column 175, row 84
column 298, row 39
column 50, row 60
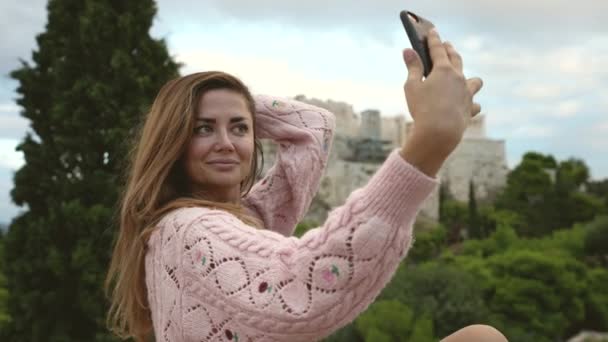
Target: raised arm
column 264, row 286
column 304, row 135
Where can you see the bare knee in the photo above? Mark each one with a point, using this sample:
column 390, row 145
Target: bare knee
column 476, row 332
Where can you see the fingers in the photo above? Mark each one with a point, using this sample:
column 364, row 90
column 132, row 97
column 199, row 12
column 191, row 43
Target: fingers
column 437, row 50
column 474, row 84
column 453, row 56
column 475, row 109
column 415, row 69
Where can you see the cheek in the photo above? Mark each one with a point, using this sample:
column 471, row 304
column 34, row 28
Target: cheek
column 198, row 147
column 196, row 152
column 246, row 148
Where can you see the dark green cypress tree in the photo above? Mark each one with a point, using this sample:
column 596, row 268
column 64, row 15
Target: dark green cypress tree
column 474, row 224
column 95, row 72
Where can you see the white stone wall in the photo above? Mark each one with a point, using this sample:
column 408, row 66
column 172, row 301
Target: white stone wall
column 348, row 121
column 393, row 129
column 481, row 160
column 370, row 124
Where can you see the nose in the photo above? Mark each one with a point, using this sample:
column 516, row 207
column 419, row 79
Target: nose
column 223, row 142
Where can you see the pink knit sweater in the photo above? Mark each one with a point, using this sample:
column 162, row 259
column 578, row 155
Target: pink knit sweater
column 211, row 277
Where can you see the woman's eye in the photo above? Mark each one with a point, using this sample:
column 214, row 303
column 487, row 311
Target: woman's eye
column 241, row 129
column 204, row 129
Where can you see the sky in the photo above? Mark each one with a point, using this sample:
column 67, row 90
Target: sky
column 544, row 62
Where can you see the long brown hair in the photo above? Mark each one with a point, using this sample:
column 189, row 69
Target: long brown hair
column 155, row 185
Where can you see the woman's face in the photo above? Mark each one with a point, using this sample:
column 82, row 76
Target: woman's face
column 220, row 153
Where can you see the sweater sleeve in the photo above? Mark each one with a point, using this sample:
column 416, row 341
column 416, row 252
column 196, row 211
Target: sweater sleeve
column 230, row 279
column 304, row 135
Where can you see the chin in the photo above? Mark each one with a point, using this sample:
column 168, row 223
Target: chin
column 223, row 180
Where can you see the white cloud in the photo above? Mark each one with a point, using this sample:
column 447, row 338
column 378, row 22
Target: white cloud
column 9, row 108
column 524, row 19
column 534, row 131
column 9, row 158
column 473, row 43
column 536, row 91
column 602, row 128
column 279, row 77
column 12, row 125
column 568, row 109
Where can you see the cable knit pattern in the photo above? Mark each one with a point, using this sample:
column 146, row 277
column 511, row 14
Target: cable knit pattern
column 304, row 134
column 210, row 277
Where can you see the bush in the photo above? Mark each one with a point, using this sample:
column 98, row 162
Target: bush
column 539, row 293
column 596, row 242
column 388, row 320
column 427, row 245
column 450, row 294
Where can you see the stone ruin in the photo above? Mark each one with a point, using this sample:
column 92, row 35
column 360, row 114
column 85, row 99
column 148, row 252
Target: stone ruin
column 362, row 142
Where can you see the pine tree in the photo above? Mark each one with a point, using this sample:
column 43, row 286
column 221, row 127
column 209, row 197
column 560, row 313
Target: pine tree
column 96, row 71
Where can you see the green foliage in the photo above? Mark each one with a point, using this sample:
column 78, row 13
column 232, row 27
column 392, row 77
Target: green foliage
column 537, row 289
column 532, row 289
column 548, row 195
column 303, row 227
column 427, row 245
column 385, row 320
column 492, row 218
column 566, row 242
column 600, row 190
column 578, row 207
column 596, row 241
column 423, row 330
column 348, row 334
column 375, row 334
column 572, row 173
column 597, row 300
column 454, row 216
column 475, row 230
column 529, row 192
column 545, row 161
column 96, row 71
column 501, row 240
column 4, row 315
column 447, row 292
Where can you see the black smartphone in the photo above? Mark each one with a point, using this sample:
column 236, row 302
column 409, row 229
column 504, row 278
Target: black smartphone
column 417, row 29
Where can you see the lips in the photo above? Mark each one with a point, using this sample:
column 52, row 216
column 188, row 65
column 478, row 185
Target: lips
column 222, row 162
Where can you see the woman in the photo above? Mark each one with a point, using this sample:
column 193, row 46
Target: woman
column 204, row 256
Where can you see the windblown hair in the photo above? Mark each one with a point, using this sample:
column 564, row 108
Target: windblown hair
column 156, row 183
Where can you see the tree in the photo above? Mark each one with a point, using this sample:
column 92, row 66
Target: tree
column 536, row 295
column 599, row 189
column 95, row 72
column 549, row 196
column 475, row 229
column 423, row 330
column 385, row 320
column 453, row 216
column 428, row 245
column 596, row 241
column 448, row 294
column 597, row 300
column 530, row 192
column 4, row 316
column 572, row 174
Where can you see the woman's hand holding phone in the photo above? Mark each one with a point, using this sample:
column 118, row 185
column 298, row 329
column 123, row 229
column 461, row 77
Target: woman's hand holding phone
column 441, row 105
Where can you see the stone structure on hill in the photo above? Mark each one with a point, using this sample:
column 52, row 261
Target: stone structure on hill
column 362, row 143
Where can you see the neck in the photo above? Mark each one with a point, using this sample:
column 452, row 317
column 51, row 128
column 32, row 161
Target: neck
column 222, row 195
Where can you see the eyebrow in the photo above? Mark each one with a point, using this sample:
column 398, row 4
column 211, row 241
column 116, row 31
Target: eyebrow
column 232, row 120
